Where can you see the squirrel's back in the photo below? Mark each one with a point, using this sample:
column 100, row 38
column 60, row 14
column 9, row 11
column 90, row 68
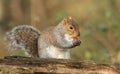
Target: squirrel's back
column 25, row 37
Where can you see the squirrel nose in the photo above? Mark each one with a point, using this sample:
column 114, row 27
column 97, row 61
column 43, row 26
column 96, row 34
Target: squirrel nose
column 78, row 33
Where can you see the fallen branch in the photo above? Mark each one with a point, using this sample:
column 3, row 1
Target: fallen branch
column 27, row 65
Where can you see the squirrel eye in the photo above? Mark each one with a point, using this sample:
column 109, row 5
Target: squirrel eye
column 71, row 27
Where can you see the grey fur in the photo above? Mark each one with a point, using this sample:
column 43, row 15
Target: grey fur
column 13, row 36
column 55, row 39
column 59, row 33
column 50, row 43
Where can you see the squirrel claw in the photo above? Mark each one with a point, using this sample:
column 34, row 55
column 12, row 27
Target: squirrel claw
column 77, row 43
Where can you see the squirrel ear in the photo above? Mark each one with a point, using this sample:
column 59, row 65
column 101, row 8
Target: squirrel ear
column 66, row 19
column 69, row 17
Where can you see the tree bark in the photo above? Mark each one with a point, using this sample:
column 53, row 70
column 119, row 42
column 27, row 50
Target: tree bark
column 27, row 65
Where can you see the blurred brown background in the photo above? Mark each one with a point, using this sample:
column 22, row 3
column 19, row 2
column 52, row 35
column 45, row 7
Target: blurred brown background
column 99, row 22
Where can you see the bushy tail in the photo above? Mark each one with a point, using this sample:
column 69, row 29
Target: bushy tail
column 25, row 37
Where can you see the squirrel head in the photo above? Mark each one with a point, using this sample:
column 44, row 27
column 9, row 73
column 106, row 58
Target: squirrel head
column 71, row 27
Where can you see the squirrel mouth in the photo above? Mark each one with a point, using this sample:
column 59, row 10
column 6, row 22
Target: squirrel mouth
column 76, row 41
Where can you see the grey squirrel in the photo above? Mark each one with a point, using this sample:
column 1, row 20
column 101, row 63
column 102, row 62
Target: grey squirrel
column 53, row 42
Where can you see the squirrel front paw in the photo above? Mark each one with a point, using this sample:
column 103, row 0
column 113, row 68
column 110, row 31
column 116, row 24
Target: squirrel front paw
column 76, row 41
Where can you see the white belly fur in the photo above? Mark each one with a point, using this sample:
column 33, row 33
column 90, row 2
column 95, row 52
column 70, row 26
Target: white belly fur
column 54, row 52
column 57, row 53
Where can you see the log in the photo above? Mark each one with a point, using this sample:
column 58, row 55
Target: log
column 27, row 65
